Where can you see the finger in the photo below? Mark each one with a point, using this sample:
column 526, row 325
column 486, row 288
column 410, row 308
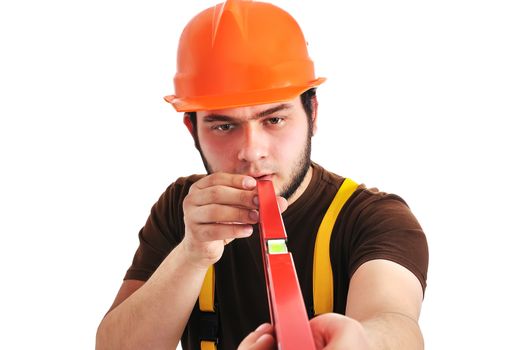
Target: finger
column 334, row 331
column 224, row 179
column 222, row 232
column 221, row 194
column 217, row 213
column 259, row 339
column 265, row 342
column 323, row 328
column 257, row 333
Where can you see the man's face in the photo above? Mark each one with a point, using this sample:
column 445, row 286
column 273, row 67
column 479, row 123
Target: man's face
column 271, row 141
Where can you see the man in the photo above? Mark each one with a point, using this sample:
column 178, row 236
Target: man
column 247, row 87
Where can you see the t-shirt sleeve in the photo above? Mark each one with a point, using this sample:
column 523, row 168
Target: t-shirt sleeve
column 387, row 229
column 160, row 234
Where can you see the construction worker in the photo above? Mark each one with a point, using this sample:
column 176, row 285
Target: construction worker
column 247, row 88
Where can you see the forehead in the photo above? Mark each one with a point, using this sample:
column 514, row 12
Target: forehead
column 247, row 112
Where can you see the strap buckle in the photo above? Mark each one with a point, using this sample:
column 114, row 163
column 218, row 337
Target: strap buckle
column 208, row 326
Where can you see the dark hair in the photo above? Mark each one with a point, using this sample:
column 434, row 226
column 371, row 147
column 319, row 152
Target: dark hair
column 307, row 102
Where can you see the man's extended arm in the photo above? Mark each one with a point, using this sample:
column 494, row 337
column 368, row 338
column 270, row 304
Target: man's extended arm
column 153, row 314
column 384, row 302
column 385, row 298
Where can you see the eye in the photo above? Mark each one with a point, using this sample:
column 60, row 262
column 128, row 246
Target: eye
column 275, row 120
column 223, row 127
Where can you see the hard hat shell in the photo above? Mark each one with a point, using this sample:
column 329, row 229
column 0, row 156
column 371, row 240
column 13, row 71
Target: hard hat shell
column 241, row 53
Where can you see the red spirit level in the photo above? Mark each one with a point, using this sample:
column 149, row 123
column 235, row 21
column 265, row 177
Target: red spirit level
column 286, row 305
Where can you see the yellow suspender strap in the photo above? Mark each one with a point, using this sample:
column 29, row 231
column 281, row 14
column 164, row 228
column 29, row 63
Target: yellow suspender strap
column 322, row 272
column 206, row 295
column 206, row 302
column 208, row 345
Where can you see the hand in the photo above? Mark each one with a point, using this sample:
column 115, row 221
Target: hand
column 218, row 209
column 330, row 331
column 335, row 331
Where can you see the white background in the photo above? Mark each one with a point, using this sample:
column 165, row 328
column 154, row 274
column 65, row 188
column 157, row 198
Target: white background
column 424, row 99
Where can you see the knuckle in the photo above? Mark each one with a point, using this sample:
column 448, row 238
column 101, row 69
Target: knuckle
column 205, row 235
column 234, row 230
column 194, row 187
column 210, row 252
column 189, row 210
column 215, row 194
column 211, row 180
column 215, row 179
column 186, row 202
column 248, row 198
column 191, row 197
column 236, row 181
column 244, row 216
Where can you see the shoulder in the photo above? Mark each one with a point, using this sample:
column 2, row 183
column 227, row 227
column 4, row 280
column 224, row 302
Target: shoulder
column 370, row 198
column 165, row 219
column 184, row 183
column 374, row 207
column 180, row 187
column 170, row 201
column 325, row 176
column 374, row 224
column 382, row 226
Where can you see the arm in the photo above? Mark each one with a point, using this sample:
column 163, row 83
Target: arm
column 218, row 209
column 153, row 314
column 384, row 301
column 385, row 298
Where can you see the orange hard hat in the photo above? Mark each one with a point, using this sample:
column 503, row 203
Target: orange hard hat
column 241, row 53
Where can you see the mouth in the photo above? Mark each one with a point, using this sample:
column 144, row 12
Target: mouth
column 263, row 177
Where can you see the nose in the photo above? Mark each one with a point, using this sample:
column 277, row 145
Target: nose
column 253, row 145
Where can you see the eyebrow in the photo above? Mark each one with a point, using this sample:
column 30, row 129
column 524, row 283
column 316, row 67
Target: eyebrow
column 225, row 118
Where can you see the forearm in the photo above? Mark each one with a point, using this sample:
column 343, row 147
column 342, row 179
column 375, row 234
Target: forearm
column 390, row 330
column 156, row 314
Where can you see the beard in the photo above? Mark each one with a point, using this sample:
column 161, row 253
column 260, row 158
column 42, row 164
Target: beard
column 297, row 175
column 299, row 171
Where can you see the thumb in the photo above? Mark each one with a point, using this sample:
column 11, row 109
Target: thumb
column 282, row 204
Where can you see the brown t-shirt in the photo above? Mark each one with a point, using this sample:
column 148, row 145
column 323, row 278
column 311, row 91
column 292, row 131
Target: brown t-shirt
column 371, row 225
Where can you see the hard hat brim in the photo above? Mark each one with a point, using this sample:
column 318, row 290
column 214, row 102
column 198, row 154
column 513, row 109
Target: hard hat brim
column 250, row 98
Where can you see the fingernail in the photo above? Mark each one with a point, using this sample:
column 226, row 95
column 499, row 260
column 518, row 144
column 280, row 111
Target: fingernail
column 263, row 338
column 249, row 182
column 256, row 201
column 253, row 215
column 262, row 327
column 247, row 231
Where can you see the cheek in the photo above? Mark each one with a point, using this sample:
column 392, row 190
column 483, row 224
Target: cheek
column 217, row 151
column 289, row 147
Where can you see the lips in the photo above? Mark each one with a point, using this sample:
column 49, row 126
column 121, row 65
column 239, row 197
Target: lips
column 263, row 177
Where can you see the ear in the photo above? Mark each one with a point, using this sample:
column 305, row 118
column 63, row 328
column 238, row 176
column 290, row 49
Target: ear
column 191, row 129
column 314, row 106
column 188, row 124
